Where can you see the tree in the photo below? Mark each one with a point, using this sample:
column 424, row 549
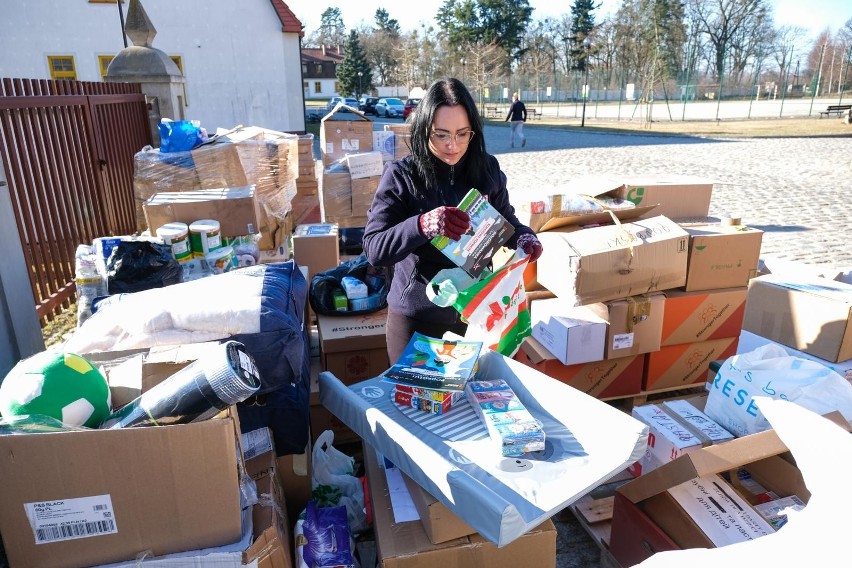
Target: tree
column 726, row 23
column 485, row 22
column 331, row 32
column 386, row 24
column 582, row 26
column 354, row 62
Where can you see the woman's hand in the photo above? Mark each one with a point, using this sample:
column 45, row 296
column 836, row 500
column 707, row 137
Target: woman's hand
column 530, row 245
column 450, row 222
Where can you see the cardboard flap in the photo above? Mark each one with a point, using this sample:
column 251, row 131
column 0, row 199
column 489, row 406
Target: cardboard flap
column 340, row 106
column 603, row 217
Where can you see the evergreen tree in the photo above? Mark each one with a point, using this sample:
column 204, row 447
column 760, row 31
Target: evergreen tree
column 354, row 61
column 386, row 24
column 331, row 32
column 582, row 26
column 485, row 22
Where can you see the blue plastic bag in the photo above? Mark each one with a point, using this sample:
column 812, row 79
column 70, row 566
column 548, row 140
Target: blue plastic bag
column 179, row 136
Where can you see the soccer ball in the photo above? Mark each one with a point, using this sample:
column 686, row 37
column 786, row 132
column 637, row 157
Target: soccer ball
column 63, row 386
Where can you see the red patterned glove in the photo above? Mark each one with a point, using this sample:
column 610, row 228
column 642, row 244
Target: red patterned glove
column 451, row 222
column 530, row 244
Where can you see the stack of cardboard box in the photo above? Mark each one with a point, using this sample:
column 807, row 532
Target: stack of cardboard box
column 643, row 304
column 306, row 204
column 258, row 164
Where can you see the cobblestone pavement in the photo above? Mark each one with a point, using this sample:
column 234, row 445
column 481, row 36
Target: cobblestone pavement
column 797, row 190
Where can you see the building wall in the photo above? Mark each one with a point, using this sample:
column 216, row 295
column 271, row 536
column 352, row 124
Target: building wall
column 240, row 67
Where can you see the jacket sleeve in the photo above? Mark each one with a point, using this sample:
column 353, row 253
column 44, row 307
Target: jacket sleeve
column 524, row 112
column 499, row 199
column 392, row 230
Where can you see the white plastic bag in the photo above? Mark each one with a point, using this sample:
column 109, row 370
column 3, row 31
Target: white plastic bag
column 333, row 482
column 770, row 371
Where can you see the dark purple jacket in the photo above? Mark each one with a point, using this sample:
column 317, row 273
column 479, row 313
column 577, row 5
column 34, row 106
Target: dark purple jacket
column 392, row 236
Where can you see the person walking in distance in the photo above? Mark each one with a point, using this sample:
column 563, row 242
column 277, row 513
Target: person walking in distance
column 518, row 116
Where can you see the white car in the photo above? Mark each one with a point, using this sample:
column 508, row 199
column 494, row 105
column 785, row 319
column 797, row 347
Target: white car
column 390, row 107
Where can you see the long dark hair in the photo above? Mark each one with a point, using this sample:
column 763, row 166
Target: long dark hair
column 448, row 91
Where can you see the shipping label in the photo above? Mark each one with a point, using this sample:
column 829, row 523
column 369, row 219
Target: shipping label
column 69, row 519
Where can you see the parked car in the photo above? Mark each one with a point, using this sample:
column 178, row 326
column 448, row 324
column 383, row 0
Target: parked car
column 367, row 105
column 348, row 101
column 389, row 108
column 410, row 105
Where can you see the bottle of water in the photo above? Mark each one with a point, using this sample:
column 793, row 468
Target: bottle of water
column 91, row 283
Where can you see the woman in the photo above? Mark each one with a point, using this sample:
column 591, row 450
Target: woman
column 416, row 201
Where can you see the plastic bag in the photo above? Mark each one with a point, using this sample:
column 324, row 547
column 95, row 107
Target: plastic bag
column 134, row 266
column 325, row 284
column 770, row 371
column 495, row 306
column 179, row 136
column 333, row 482
column 322, row 538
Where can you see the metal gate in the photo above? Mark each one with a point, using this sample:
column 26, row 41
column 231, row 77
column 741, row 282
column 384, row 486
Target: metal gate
column 67, row 149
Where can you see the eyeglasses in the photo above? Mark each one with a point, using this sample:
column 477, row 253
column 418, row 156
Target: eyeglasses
column 460, row 138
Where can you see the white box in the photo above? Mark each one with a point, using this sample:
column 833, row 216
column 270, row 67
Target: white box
column 364, row 165
column 696, row 421
column 384, row 141
column 573, row 334
column 667, row 438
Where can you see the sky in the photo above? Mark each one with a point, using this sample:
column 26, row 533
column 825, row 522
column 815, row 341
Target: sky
column 813, row 15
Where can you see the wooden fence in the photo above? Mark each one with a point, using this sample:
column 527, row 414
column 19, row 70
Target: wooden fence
column 67, row 148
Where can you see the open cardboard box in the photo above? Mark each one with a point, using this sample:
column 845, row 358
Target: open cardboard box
column 646, row 520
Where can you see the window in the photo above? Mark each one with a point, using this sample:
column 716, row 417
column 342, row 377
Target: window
column 178, row 61
column 336, row 86
column 305, row 84
column 319, row 69
column 317, row 87
column 62, row 67
column 103, row 63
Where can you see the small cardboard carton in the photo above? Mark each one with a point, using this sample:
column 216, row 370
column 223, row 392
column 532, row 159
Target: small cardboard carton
column 674, row 195
column 316, row 246
column 685, row 364
column 353, row 348
column 635, row 325
column 574, row 334
column 647, row 519
column 813, row 315
column 439, row 522
column 341, row 137
column 236, row 209
column 407, row 544
column 721, row 256
column 613, row 262
column 612, row 378
column 81, row 498
column 668, row 438
column 701, row 316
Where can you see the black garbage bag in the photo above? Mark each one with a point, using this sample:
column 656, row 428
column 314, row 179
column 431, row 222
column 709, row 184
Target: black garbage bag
column 325, row 284
column 135, row 266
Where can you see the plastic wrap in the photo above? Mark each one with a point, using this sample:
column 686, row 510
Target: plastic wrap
column 197, row 392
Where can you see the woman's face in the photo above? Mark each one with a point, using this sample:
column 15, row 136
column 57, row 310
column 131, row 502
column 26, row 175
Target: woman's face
column 450, row 135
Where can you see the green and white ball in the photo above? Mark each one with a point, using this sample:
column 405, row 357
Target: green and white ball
column 60, row 385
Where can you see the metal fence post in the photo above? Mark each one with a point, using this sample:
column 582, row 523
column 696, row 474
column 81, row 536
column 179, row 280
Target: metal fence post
column 20, row 331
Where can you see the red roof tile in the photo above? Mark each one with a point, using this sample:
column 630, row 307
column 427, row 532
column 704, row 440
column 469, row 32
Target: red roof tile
column 289, row 21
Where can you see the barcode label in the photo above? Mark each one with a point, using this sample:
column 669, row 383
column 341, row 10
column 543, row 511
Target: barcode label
column 76, row 530
column 68, row 519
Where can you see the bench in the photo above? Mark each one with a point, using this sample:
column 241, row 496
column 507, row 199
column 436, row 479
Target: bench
column 491, row 111
column 834, row 109
column 533, row 114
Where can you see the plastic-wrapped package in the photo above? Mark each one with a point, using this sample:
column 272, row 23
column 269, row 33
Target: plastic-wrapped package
column 91, row 283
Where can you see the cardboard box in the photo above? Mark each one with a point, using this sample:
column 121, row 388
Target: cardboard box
column 272, row 545
column 316, row 246
column 407, row 545
column 610, row 263
column 335, row 193
column 813, row 315
column 294, row 475
column 635, row 325
column 353, row 348
column 701, row 316
column 237, row 158
column 674, row 196
column 646, row 520
column 667, row 438
column 236, row 208
column 341, row 137
column 573, row 334
column 440, row 524
column 684, row 365
column 721, row 256
column 363, row 191
column 126, row 490
column 750, row 341
column 601, row 379
column 384, row 142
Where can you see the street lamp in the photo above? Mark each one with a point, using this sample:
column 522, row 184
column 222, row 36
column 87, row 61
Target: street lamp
column 587, row 44
column 360, row 74
column 463, row 68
